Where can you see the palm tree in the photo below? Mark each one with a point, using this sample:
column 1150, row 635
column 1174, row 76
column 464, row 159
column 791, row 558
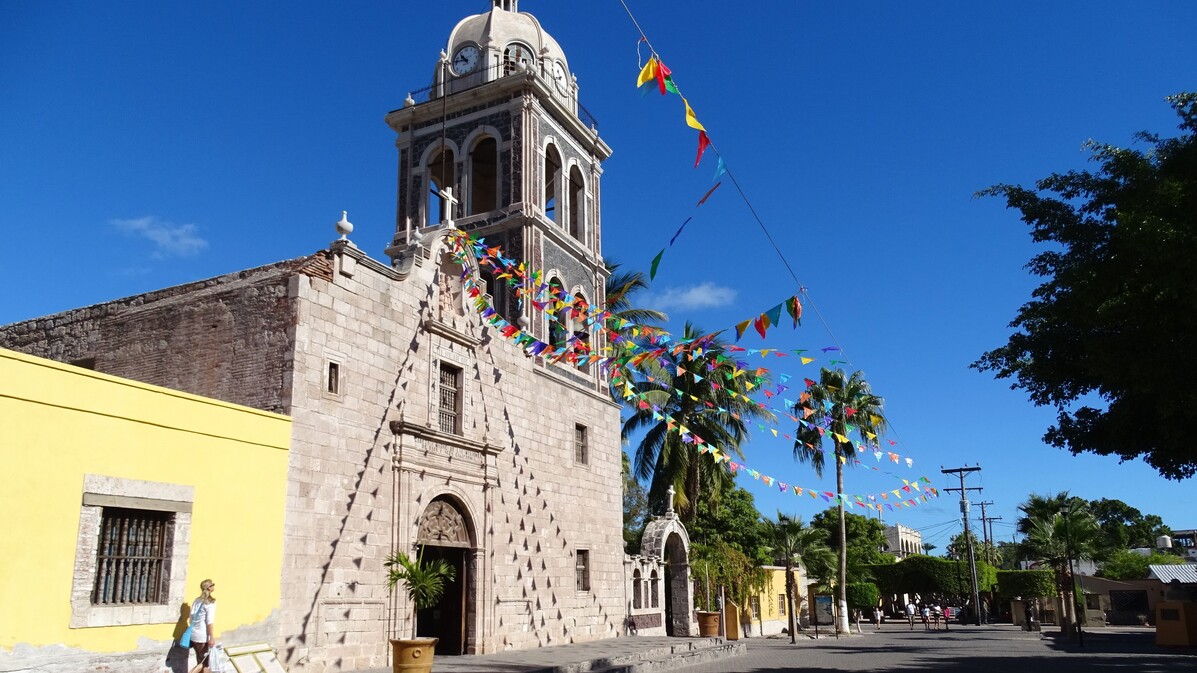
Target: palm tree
column 794, row 544
column 1053, row 537
column 697, row 389
column 626, row 319
column 837, row 404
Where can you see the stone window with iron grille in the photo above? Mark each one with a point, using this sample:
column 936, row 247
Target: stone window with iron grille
column 581, row 445
column 583, row 569
column 449, row 410
column 131, row 552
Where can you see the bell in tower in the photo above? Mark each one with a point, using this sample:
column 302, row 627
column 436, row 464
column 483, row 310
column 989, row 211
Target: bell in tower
column 499, row 147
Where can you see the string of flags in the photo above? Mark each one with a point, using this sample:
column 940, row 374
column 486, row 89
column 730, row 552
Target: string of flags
column 576, row 351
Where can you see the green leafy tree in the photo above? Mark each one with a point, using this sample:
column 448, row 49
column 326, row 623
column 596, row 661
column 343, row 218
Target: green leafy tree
column 842, row 404
column 866, row 540
column 1125, row 527
column 863, row 596
column 1129, row 565
column 707, row 397
column 733, row 519
column 635, row 509
column 794, row 544
column 958, row 549
column 1116, row 318
column 1009, row 554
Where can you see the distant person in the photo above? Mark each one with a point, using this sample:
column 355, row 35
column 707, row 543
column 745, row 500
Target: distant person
column 877, row 617
column 926, row 613
column 1028, row 616
column 936, row 614
column 947, row 617
column 910, row 610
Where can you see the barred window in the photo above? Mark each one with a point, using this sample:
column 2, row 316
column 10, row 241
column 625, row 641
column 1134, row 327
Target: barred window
column 450, row 399
column 781, row 604
column 583, row 570
column 131, row 557
column 581, row 446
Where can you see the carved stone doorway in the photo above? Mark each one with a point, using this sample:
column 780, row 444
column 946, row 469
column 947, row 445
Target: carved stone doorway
column 444, row 534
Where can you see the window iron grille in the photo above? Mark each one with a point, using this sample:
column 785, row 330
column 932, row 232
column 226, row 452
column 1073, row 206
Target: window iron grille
column 131, row 557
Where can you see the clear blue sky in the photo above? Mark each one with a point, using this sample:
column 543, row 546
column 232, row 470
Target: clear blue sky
column 146, row 144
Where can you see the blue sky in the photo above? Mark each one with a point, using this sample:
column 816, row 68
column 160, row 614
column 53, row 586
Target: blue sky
column 146, row 144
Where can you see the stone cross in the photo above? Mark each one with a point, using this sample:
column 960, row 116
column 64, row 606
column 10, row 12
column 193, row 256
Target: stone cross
column 450, row 205
column 669, row 500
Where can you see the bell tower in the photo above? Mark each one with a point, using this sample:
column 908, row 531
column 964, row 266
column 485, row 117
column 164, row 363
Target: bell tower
column 499, row 147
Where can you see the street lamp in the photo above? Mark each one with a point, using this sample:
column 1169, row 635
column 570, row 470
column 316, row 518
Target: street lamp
column 1065, row 510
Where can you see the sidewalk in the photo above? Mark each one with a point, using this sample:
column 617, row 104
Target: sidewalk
column 614, row 655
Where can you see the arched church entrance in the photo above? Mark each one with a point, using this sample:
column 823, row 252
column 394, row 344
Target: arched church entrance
column 444, row 534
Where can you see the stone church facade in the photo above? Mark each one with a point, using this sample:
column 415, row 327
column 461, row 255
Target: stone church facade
column 416, row 424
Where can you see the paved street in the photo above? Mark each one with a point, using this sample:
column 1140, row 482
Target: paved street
column 992, row 649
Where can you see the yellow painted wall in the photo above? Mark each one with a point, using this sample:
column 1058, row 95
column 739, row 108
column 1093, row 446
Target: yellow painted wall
column 777, row 586
column 58, row 423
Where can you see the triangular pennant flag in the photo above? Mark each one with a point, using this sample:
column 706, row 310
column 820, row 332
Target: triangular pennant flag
column 703, row 143
column 652, row 272
column 691, row 119
column 707, row 195
column 648, row 73
column 662, row 74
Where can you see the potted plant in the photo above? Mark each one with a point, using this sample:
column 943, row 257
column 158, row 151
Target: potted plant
column 424, row 583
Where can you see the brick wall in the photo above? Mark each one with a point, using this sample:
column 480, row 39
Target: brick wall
column 229, row 337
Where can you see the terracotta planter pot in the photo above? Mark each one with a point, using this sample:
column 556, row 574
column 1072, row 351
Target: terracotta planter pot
column 708, row 624
column 413, row 656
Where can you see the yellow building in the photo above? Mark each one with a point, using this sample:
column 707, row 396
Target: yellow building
column 769, row 610
column 119, row 498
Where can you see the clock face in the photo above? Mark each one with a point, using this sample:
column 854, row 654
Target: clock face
column 465, row 60
column 560, row 77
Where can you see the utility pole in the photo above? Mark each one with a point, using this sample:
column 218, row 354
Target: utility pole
column 987, row 531
column 968, row 538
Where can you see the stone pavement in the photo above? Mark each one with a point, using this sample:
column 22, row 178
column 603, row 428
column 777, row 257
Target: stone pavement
column 969, row 649
column 632, row 654
column 998, row 648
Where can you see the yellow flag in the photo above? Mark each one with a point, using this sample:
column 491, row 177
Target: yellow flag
column 807, row 361
column 649, row 73
column 691, row 120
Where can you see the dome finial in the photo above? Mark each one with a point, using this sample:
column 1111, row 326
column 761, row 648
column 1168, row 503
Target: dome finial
column 344, row 226
column 506, row 5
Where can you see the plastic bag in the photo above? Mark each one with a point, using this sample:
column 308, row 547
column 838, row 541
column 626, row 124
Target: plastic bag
column 218, row 661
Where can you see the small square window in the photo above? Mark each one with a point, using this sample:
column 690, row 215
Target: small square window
column 581, row 445
column 583, row 570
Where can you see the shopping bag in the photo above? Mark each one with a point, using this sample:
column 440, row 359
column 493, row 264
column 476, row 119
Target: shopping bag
column 218, row 661
column 185, row 639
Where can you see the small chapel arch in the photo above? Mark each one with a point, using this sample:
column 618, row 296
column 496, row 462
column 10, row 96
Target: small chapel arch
column 666, row 538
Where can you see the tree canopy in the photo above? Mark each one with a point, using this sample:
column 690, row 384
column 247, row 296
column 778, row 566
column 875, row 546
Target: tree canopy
column 1110, row 338
column 735, row 520
column 866, row 538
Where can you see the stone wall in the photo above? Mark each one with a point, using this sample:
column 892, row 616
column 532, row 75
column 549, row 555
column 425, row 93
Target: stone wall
column 368, row 460
column 228, row 337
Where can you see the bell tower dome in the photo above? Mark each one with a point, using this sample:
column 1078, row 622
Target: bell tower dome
column 499, row 147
